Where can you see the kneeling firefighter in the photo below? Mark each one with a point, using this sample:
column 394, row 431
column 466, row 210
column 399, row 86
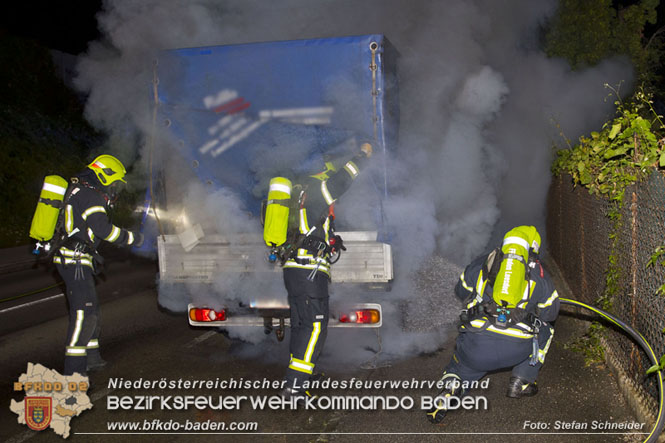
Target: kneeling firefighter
column 84, row 224
column 305, row 253
column 509, row 305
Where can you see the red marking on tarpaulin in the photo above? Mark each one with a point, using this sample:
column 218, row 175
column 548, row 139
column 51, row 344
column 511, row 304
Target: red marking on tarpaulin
column 237, row 109
column 232, row 106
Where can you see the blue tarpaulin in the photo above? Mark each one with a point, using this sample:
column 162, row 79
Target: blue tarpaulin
column 222, row 106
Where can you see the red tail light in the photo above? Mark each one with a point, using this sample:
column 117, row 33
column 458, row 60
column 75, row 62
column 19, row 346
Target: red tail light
column 364, row 316
column 205, row 314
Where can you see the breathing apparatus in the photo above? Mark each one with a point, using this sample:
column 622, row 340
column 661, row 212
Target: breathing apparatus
column 48, row 212
column 103, row 175
column 504, row 311
column 280, row 212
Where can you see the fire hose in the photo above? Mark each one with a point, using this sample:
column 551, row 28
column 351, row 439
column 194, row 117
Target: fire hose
column 658, row 426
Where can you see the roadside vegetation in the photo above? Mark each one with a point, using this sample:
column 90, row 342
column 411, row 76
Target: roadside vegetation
column 631, row 146
column 42, row 132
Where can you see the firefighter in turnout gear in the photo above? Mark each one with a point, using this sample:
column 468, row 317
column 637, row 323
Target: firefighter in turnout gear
column 509, row 305
column 307, row 270
column 86, row 223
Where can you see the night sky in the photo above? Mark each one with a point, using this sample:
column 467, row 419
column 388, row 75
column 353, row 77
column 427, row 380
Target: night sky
column 68, row 25
column 65, row 25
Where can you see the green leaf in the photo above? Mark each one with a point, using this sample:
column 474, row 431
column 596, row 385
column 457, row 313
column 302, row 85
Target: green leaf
column 652, row 369
column 615, row 130
column 618, row 151
column 581, row 167
column 661, row 161
column 640, row 123
column 650, row 138
column 658, row 367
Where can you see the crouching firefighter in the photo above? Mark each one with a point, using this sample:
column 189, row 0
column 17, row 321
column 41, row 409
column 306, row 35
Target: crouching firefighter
column 307, row 261
column 83, row 225
column 509, row 306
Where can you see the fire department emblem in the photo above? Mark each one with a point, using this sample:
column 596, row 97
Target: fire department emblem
column 38, row 412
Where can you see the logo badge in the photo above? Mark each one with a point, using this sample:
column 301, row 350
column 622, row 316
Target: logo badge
column 38, row 412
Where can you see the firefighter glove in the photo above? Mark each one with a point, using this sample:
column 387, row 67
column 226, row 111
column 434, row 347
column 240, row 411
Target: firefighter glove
column 366, row 149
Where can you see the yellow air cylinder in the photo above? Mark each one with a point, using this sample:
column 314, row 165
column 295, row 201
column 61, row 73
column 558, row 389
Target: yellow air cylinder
column 510, row 284
column 276, row 222
column 48, row 208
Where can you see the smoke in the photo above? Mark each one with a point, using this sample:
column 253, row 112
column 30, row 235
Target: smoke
column 480, row 105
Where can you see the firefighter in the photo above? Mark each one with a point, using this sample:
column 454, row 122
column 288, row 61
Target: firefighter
column 307, row 270
column 509, row 305
column 86, row 224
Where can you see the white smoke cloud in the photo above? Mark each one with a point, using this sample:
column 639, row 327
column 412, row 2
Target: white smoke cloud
column 479, row 105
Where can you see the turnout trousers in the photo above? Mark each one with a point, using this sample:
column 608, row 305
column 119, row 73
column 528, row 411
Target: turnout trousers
column 477, row 353
column 308, row 301
column 83, row 331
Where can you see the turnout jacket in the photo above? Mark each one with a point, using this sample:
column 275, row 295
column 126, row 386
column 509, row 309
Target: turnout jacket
column 540, row 299
column 319, row 193
column 87, row 223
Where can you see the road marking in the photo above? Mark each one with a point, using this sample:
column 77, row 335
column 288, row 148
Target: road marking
column 200, row 338
column 25, row 305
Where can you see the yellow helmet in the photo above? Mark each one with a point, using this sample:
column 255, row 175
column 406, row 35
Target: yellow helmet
column 323, row 175
column 108, row 169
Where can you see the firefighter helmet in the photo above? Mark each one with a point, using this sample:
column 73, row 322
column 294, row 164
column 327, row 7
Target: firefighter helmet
column 323, row 175
column 108, row 169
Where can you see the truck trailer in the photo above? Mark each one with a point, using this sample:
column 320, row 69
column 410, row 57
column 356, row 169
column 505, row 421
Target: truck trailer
column 228, row 118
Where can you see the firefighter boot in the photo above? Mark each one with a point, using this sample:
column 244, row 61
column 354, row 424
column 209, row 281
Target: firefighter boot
column 518, row 387
column 438, row 411
column 318, row 377
column 452, row 388
column 299, row 398
column 95, row 362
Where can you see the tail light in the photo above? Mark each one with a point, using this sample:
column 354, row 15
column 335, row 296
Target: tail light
column 362, row 316
column 205, row 314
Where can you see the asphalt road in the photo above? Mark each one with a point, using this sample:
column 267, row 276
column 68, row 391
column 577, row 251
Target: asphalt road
column 143, row 342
